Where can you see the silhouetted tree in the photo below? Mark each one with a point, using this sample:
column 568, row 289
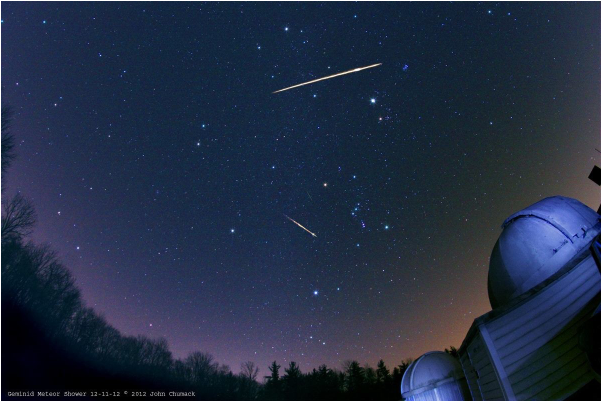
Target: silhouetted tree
column 452, row 351
column 248, row 382
column 274, row 377
column 8, row 140
column 370, row 374
column 355, row 380
column 324, row 384
column 18, row 218
column 382, row 372
column 273, row 386
column 249, row 370
column 292, row 381
column 55, row 342
column 201, row 368
column 384, row 389
column 18, row 215
column 399, row 371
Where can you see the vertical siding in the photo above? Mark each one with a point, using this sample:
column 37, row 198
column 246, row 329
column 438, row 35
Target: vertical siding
column 480, row 374
column 537, row 342
column 470, row 376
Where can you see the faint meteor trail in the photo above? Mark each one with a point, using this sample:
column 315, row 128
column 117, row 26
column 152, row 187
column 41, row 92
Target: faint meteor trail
column 300, row 225
column 329, row 76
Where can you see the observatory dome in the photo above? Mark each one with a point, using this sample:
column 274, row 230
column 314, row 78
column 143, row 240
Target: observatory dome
column 535, row 243
column 434, row 376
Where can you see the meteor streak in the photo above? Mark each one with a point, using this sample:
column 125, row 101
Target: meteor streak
column 330, row 76
column 294, row 221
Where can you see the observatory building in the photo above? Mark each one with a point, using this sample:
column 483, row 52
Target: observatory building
column 541, row 341
column 434, row 376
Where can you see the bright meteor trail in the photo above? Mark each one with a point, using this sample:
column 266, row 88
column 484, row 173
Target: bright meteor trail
column 292, row 220
column 328, row 77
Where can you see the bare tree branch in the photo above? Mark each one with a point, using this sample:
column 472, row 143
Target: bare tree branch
column 18, row 218
column 249, row 370
column 8, row 140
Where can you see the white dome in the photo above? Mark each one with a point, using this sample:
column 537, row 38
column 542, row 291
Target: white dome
column 535, row 243
column 430, row 371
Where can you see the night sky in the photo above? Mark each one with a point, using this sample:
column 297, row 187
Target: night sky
column 161, row 165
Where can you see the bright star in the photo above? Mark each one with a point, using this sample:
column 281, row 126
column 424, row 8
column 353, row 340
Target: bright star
column 315, row 292
column 286, row 29
column 232, row 230
column 372, row 100
column 325, row 184
column 386, row 227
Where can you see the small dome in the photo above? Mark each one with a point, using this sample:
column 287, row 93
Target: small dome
column 431, row 372
column 535, row 243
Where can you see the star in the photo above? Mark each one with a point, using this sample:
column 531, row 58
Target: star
column 325, row 184
column 315, row 292
column 286, row 29
column 232, row 230
column 372, row 100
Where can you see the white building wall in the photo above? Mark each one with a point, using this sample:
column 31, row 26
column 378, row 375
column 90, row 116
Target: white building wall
column 532, row 347
column 537, row 342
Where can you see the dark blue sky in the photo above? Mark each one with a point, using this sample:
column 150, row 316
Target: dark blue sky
column 161, row 164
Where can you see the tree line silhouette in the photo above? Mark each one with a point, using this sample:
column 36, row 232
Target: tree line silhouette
column 52, row 341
